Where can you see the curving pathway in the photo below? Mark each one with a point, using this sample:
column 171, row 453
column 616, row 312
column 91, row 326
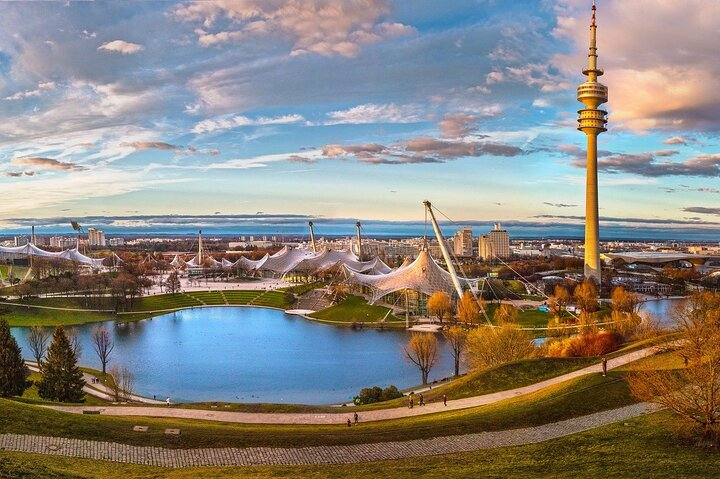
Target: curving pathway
column 342, row 417
column 348, row 454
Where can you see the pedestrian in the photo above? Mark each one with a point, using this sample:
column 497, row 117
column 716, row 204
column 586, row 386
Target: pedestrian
column 349, row 423
column 357, row 418
column 410, row 403
column 422, row 400
column 445, row 399
column 604, row 366
column 167, row 400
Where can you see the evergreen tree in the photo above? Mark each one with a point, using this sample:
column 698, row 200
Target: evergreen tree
column 13, row 372
column 62, row 379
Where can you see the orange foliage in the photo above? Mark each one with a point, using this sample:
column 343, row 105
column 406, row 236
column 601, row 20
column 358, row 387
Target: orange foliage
column 591, row 344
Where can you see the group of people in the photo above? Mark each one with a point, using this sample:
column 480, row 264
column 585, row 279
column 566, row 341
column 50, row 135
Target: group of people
column 421, row 400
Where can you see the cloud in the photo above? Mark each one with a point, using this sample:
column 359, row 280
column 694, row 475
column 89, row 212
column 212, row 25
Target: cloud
column 236, row 121
column 457, row 125
column 702, row 210
column 419, row 150
column 121, row 46
column 648, row 164
column 559, row 205
column 47, row 163
column 301, row 159
column 667, row 80
column 322, row 27
column 538, row 75
column 376, row 113
column 676, row 140
column 150, row 145
column 41, row 87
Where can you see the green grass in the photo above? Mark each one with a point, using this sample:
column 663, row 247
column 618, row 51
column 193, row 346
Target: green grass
column 645, row 448
column 354, row 309
column 573, row 398
column 241, row 297
column 22, row 316
column 273, row 299
column 210, row 298
column 301, row 289
column 164, row 301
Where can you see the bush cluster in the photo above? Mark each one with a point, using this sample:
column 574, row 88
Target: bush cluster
column 586, row 345
column 377, row 394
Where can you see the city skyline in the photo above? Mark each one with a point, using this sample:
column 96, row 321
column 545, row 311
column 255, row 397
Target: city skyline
column 236, row 109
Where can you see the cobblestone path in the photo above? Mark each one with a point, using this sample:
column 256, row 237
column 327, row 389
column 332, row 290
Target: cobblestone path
column 175, row 458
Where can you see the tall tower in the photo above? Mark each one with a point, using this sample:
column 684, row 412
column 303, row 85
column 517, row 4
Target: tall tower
column 592, row 122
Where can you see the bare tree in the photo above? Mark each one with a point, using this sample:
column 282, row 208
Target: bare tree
column 691, row 392
column 456, row 337
column 103, row 345
column 422, row 350
column 127, row 382
column 38, row 341
column 116, row 375
column 173, row 283
column 75, row 342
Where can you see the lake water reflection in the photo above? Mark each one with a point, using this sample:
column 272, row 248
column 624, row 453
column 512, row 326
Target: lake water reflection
column 255, row 355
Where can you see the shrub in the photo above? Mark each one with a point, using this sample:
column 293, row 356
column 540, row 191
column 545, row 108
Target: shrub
column 376, row 394
column 586, row 345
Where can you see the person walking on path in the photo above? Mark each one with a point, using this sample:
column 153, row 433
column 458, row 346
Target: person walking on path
column 410, row 403
column 349, row 423
column 604, row 366
column 445, row 399
column 422, row 400
column 167, row 400
column 357, row 418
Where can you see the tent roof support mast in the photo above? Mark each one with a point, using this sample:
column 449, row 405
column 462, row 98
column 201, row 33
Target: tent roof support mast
column 312, row 237
column 443, row 248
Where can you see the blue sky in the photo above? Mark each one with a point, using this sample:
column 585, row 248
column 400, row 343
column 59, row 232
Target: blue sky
column 361, row 108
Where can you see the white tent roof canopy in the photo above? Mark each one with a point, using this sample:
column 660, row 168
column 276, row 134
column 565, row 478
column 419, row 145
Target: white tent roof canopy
column 29, row 249
column 423, row 275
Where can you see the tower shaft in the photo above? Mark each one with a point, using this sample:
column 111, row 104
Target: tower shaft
column 592, row 122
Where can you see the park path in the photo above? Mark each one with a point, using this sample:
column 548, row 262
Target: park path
column 99, row 390
column 342, row 417
column 289, row 456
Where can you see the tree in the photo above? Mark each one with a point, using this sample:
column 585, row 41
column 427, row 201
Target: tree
column 103, row 345
column 586, row 296
column 559, row 300
column 37, row 340
column 13, row 372
column 439, row 304
column 62, row 379
column 487, row 347
column 692, row 392
column 506, row 314
column 123, row 382
column 624, row 301
column 456, row 338
column 173, row 283
column 422, row 350
column 468, row 309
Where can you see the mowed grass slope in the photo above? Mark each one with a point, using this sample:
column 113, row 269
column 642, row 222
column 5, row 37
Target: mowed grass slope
column 354, row 309
column 646, row 447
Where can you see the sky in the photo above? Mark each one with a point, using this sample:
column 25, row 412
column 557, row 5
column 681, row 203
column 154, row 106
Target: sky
column 135, row 112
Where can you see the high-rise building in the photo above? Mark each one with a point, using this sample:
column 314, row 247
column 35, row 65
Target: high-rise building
column 592, row 122
column 495, row 244
column 463, row 243
column 96, row 237
column 21, row 240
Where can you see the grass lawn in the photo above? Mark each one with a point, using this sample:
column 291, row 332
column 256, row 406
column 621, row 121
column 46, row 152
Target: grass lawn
column 354, row 309
column 645, row 448
column 22, row 316
column 573, row 398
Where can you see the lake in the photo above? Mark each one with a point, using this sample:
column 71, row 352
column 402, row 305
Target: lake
column 254, row 355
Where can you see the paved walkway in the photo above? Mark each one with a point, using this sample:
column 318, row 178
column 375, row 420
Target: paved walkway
column 100, row 390
column 342, row 417
column 251, row 456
